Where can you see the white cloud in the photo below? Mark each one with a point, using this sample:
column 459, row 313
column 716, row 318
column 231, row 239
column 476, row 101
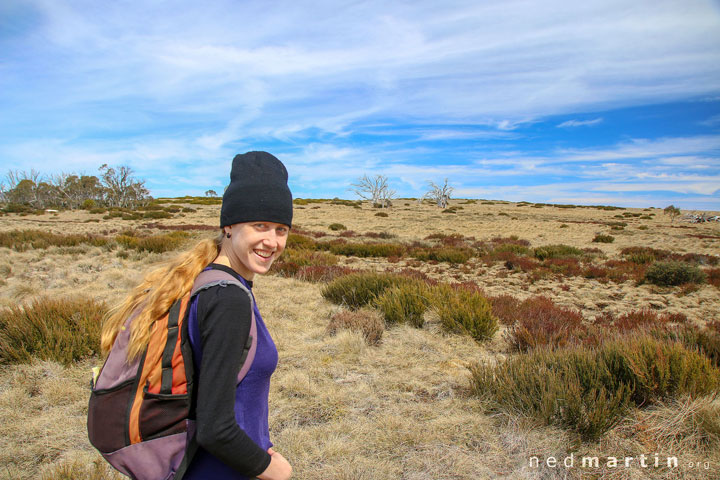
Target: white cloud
column 580, row 123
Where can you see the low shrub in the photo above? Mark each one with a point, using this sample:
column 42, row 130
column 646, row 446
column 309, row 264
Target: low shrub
column 405, row 303
column 713, row 277
column 367, row 249
column 564, row 266
column 505, row 308
column 155, row 214
column 154, row 243
column 322, row 273
column 588, row 390
column 514, row 248
column 599, row 238
column 674, row 273
column 21, row 240
column 297, row 241
column 309, row 265
column 539, row 322
column 61, row 330
column 383, row 235
column 638, row 320
column 556, row 251
column 514, row 262
column 360, row 289
column 443, row 254
column 381, row 214
column 337, row 226
column 464, row 311
column 365, row 321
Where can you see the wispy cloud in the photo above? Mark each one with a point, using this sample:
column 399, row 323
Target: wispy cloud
column 580, row 123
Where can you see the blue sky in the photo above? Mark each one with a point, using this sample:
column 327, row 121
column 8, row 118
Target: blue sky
column 594, row 102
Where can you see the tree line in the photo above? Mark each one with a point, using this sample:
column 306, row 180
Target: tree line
column 113, row 187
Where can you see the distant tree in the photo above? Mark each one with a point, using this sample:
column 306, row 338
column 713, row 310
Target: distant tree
column 375, row 189
column 211, row 193
column 121, row 189
column 439, row 195
column 672, row 211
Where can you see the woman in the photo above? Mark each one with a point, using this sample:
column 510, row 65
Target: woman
column 231, row 419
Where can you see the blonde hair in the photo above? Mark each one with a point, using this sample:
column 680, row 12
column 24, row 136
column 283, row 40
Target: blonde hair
column 159, row 289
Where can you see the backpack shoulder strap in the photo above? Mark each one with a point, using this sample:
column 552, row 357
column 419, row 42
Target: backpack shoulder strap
column 211, row 278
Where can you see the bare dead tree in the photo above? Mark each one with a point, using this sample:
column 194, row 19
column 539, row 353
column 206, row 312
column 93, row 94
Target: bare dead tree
column 375, row 189
column 439, row 195
column 121, row 189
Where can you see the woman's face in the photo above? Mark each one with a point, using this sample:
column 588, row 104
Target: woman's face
column 254, row 246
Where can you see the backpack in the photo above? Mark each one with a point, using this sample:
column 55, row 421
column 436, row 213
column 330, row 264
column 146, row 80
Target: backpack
column 139, row 412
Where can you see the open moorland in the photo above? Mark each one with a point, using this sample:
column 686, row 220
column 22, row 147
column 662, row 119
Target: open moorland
column 487, row 340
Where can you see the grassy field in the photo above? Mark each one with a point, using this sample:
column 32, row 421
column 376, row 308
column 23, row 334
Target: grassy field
column 568, row 289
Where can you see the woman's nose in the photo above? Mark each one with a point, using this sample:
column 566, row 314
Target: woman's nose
column 270, row 240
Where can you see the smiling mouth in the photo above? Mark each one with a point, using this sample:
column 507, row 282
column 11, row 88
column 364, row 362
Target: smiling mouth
column 263, row 254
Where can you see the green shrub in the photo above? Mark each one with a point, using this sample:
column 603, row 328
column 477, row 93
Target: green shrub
column 367, row 249
column 337, row 226
column 588, row 390
column 405, row 303
column 599, row 238
column 298, row 241
column 158, row 214
column 556, row 251
column 465, row 312
column 360, row 289
column 21, row 240
column 17, row 208
column 365, row 321
column 512, row 248
column 674, row 273
column 61, row 330
column 155, row 243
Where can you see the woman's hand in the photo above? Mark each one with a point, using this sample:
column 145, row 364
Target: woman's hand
column 279, row 468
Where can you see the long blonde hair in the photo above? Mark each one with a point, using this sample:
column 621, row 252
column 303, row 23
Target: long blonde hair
column 156, row 294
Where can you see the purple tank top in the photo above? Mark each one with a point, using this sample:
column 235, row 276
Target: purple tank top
column 251, row 396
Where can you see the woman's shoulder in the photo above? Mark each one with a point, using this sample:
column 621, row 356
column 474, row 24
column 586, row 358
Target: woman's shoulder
column 227, row 295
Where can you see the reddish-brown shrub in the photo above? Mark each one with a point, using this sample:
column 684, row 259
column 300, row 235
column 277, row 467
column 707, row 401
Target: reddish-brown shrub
column 505, row 308
column 348, row 233
column 644, row 319
column 713, row 276
column 513, row 240
column 596, row 272
column 321, row 273
column 564, row 266
column 514, row 262
column 622, row 270
column 541, row 322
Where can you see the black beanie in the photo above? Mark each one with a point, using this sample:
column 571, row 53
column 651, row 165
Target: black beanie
column 258, row 191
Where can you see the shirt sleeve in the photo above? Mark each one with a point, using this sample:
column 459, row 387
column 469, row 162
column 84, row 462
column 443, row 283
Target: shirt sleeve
column 224, row 316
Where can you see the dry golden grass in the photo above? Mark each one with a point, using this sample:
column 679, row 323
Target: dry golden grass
column 343, row 409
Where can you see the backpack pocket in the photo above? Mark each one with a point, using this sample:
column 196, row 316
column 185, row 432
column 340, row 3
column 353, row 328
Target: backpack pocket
column 107, row 416
column 163, row 414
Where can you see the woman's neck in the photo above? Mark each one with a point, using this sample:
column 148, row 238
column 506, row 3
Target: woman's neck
column 223, row 259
